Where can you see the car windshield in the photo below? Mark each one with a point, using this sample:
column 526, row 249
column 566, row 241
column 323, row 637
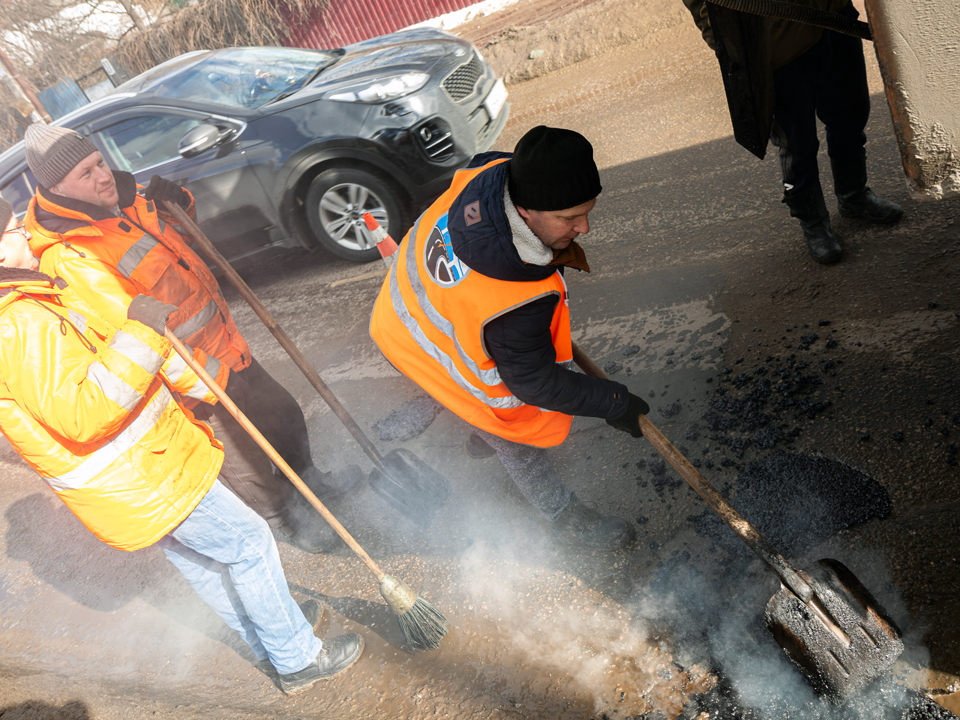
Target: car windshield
column 247, row 77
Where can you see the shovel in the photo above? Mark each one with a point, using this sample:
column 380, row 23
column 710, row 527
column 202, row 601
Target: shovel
column 400, row 477
column 825, row 620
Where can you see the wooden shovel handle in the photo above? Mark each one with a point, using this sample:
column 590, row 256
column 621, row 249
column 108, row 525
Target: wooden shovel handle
column 231, row 407
column 298, row 357
column 759, row 544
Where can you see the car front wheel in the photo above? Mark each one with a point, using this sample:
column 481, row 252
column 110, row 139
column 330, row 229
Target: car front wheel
column 336, row 203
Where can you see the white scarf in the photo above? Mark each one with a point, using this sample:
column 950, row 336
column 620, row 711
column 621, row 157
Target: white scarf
column 531, row 248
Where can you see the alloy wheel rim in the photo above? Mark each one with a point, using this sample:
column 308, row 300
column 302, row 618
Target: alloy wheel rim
column 342, row 208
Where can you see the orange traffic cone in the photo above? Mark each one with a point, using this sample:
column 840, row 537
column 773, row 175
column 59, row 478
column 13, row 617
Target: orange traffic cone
column 385, row 243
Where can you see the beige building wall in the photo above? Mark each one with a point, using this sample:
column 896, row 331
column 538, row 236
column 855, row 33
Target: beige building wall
column 918, row 49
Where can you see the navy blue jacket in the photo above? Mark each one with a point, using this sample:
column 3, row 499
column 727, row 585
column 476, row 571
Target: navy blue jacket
column 519, row 341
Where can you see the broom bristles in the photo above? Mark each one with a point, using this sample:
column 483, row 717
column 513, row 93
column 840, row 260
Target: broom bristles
column 423, row 626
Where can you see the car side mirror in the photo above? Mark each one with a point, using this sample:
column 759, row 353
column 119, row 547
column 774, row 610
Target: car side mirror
column 200, row 139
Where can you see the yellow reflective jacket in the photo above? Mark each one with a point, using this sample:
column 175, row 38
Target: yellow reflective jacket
column 87, row 407
column 110, row 260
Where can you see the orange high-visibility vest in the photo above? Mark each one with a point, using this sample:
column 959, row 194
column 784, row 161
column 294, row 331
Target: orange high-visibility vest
column 109, row 262
column 428, row 321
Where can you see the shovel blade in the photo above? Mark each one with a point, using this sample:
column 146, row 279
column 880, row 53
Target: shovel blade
column 837, row 663
column 411, row 486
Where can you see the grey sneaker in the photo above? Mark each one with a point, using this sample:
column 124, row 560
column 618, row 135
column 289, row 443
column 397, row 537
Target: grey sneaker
column 582, row 524
column 477, row 448
column 338, row 654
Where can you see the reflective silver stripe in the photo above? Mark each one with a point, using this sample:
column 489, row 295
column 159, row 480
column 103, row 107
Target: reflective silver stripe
column 197, row 322
column 136, row 351
column 78, row 320
column 200, row 390
column 103, row 457
column 113, row 387
column 176, row 367
column 568, row 364
column 435, row 352
column 135, row 255
column 490, row 377
column 163, row 225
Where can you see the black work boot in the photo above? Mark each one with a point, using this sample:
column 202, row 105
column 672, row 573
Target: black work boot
column 855, row 199
column 337, row 655
column 810, row 209
column 583, row 524
column 328, row 485
column 304, row 528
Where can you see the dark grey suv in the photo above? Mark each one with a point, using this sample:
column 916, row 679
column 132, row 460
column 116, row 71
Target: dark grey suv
column 283, row 146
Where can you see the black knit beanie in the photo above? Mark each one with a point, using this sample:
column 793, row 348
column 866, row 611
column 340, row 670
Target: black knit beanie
column 552, row 169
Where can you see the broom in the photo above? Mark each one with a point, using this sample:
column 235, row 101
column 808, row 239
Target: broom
column 422, row 624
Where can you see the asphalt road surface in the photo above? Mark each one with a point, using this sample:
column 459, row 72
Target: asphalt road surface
column 824, row 401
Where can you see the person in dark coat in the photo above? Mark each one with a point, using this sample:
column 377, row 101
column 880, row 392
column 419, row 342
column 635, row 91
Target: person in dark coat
column 819, row 74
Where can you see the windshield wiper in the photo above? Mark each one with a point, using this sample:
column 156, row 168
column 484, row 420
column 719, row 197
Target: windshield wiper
column 309, row 79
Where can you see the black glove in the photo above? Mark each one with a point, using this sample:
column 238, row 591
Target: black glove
column 629, row 422
column 151, row 312
column 160, row 189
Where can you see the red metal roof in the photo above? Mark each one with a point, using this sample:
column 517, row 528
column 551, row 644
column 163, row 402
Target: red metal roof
column 349, row 21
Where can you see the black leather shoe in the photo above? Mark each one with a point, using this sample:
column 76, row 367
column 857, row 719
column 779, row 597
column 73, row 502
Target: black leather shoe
column 822, row 244
column 328, row 485
column 313, row 612
column 871, row 208
column 855, row 199
column 810, row 209
column 584, row 525
column 337, row 655
column 305, row 528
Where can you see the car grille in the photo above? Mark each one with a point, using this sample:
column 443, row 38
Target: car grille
column 462, row 82
column 435, row 140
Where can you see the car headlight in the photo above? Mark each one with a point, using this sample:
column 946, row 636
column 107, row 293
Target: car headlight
column 380, row 89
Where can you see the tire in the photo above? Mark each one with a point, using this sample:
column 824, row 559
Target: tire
column 336, row 201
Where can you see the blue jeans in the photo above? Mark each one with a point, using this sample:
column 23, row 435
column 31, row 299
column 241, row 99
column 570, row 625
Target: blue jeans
column 228, row 555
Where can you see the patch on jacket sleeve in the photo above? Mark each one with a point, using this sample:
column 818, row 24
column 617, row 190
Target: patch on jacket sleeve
column 471, row 213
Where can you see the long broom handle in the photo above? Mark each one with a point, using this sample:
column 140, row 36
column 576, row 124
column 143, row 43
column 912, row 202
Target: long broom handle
column 273, row 454
column 298, row 357
column 759, row 544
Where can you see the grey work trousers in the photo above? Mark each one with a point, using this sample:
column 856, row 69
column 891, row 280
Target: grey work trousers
column 531, row 471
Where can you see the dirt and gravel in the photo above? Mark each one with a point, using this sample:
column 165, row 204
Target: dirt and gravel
column 703, row 300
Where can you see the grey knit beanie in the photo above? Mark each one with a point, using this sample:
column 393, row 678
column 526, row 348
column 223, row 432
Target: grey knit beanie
column 6, row 212
column 52, row 152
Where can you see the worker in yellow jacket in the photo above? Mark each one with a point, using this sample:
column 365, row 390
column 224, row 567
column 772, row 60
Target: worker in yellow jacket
column 89, row 407
column 112, row 240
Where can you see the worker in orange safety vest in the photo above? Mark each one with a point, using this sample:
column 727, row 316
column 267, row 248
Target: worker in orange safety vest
column 475, row 311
